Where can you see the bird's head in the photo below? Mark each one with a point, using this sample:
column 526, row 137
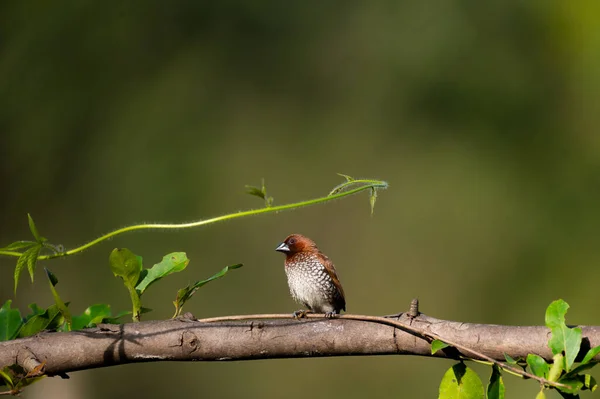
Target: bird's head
column 296, row 243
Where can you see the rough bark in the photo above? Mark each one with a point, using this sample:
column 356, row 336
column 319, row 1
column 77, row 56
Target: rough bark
column 186, row 339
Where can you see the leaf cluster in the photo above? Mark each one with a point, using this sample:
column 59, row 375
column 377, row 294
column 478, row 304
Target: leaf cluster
column 30, row 251
column 561, row 374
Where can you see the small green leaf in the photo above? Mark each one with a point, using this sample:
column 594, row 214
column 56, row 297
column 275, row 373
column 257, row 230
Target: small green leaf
column 19, row 245
column 372, row 199
column 17, row 378
column 538, row 365
column 171, row 263
column 116, row 319
column 51, row 319
column 62, row 308
column 261, row 193
column 510, row 360
column 589, row 383
column 257, row 192
column 29, row 380
column 6, row 377
column 348, row 178
column 125, row 264
column 437, row 345
column 555, row 314
column 269, row 202
column 34, row 252
column 128, row 266
column 574, row 385
column 184, row 294
column 29, row 259
column 495, row 388
column 34, row 230
column 93, row 315
column 51, row 277
column 35, row 310
column 564, row 339
column 10, row 322
column 558, row 365
column 541, row 394
column 581, row 367
column 591, row 354
column 460, row 382
column 577, row 382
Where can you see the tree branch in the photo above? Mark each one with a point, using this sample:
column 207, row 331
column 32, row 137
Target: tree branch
column 275, row 336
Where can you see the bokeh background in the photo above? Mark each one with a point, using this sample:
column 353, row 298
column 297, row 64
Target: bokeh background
column 482, row 116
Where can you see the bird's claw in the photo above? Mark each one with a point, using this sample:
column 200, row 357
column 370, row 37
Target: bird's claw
column 300, row 314
column 331, row 315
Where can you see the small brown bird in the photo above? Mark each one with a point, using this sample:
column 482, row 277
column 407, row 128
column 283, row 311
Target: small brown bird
column 311, row 276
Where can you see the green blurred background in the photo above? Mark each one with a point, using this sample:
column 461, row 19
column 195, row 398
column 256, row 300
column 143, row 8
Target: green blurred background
column 481, row 115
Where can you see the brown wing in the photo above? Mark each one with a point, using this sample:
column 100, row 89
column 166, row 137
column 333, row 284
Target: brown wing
column 340, row 300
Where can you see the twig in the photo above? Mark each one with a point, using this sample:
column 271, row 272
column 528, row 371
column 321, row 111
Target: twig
column 393, row 323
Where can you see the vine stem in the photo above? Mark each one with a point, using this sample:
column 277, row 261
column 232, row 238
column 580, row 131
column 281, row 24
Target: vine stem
column 367, row 185
column 393, row 323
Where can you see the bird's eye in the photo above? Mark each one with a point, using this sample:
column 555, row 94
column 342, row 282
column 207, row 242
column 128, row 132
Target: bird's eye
column 292, row 241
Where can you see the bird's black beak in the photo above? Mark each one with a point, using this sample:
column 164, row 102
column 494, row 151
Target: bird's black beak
column 282, row 248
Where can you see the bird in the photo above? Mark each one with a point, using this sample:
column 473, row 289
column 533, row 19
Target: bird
column 311, row 277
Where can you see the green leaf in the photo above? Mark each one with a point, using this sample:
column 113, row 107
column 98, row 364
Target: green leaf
column 564, row 339
column 589, row 383
column 437, row 345
column 10, row 322
column 372, row 199
column 579, row 369
column 6, row 378
column 510, row 360
column 62, row 308
column 565, row 395
column 558, row 365
column 32, row 260
column 460, row 382
column 126, row 264
column 29, row 259
column 34, row 230
column 591, row 354
column 19, row 245
column 255, row 191
column 495, row 388
column 35, row 310
column 574, row 385
column 171, row 263
column 261, row 193
column 29, row 380
column 51, row 319
column 93, row 315
column 555, row 314
column 541, row 395
column 184, row 294
column 17, row 378
column 116, row 319
column 538, row 365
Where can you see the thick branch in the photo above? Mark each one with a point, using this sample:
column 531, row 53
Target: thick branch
column 185, row 339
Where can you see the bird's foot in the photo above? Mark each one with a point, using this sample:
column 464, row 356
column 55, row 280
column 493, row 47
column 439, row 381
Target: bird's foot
column 300, row 314
column 331, row 315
